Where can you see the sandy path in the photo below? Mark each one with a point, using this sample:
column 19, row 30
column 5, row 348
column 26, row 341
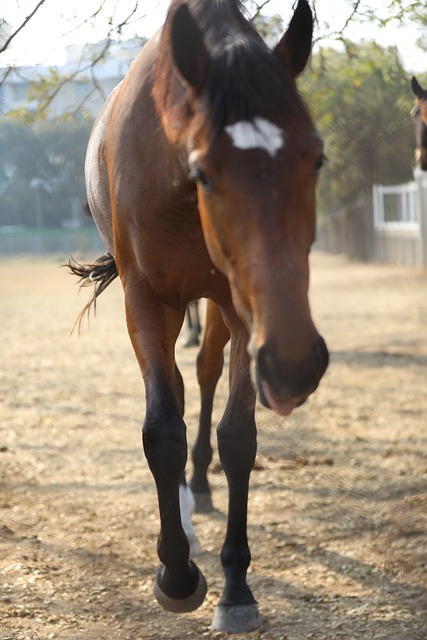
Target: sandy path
column 338, row 525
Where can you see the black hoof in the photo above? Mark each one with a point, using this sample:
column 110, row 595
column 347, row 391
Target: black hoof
column 239, row 619
column 182, row 605
column 203, row 502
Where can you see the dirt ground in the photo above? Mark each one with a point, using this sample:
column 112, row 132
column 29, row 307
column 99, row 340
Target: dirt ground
column 338, row 504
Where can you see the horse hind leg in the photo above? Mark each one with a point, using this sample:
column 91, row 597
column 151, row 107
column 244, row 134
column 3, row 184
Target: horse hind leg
column 210, row 363
column 191, row 337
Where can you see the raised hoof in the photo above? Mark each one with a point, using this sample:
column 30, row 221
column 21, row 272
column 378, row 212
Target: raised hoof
column 203, row 502
column 182, row 605
column 238, row 619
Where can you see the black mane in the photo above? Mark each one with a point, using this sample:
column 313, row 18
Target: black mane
column 219, row 18
column 245, row 77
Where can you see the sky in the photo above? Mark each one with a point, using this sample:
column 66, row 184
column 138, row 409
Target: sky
column 56, row 24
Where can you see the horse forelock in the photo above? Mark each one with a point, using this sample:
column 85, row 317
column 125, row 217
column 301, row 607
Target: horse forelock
column 244, row 80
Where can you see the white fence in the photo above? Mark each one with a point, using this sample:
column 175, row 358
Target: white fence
column 400, row 222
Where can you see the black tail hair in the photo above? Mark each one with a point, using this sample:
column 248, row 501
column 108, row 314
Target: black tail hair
column 100, row 273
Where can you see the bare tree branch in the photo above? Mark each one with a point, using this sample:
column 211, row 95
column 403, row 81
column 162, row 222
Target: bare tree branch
column 47, row 96
column 23, row 24
column 51, row 95
column 354, row 12
column 93, row 16
column 260, row 7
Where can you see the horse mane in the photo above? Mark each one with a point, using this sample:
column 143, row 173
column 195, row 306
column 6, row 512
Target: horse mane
column 244, row 79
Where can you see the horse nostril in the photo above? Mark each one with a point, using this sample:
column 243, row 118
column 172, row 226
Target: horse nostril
column 267, row 363
column 293, row 380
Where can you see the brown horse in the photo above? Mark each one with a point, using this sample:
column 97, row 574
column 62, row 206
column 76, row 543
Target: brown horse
column 201, row 173
column 419, row 116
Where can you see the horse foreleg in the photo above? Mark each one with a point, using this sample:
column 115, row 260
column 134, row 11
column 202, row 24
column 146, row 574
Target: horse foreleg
column 153, row 329
column 210, row 362
column 237, row 611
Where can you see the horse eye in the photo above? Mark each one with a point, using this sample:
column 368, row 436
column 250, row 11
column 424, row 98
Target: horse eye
column 319, row 164
column 415, row 111
column 200, row 176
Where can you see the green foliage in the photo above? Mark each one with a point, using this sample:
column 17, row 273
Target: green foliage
column 361, row 102
column 409, row 10
column 41, row 93
column 41, row 171
column 271, row 28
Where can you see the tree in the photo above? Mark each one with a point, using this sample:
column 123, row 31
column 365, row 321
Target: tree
column 118, row 17
column 366, row 142
column 11, row 34
column 41, row 172
column 362, row 107
column 112, row 18
column 392, row 11
column 115, row 22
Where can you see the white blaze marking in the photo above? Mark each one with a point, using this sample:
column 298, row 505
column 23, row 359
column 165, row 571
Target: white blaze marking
column 192, row 158
column 259, row 134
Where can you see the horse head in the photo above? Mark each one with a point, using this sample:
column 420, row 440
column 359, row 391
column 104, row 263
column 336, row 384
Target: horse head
column 255, row 156
column 419, row 115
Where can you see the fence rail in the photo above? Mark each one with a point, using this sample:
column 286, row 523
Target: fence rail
column 400, row 222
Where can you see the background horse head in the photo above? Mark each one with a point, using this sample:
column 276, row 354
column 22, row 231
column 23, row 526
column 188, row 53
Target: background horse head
column 419, row 116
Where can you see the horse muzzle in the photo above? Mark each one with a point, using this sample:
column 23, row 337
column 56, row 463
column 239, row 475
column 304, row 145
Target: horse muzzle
column 284, row 386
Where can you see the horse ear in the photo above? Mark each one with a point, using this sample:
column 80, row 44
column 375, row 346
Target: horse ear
column 295, row 46
column 189, row 52
column 418, row 90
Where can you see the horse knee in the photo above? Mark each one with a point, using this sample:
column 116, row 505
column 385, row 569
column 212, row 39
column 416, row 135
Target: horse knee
column 165, row 446
column 237, row 448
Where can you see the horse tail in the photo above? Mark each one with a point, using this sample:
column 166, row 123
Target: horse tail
column 100, row 274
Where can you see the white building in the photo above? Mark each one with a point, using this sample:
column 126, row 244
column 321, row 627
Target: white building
column 84, row 85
